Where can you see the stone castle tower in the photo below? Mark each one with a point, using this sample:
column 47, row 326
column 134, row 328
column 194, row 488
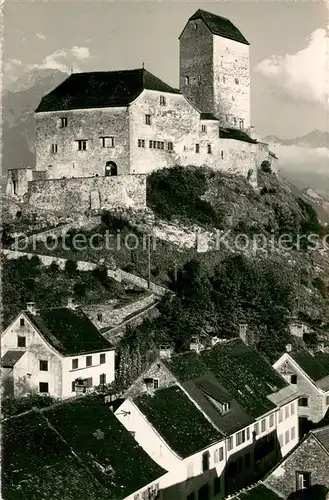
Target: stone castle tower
column 214, row 69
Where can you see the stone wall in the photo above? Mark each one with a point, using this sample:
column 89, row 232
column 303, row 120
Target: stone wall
column 76, row 196
column 196, row 65
column 87, row 124
column 17, row 181
column 309, row 456
column 231, row 82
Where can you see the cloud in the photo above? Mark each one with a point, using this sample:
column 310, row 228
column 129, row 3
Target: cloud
column 302, row 75
column 64, row 59
column 11, row 68
column 40, row 36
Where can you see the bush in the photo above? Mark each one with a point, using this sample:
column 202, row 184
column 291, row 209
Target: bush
column 70, row 267
column 266, row 167
column 15, row 406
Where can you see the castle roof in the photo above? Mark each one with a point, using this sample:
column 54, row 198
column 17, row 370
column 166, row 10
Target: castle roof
column 101, row 89
column 219, row 26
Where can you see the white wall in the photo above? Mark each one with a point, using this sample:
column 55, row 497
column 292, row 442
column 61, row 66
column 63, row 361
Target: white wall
column 94, row 371
column 27, row 374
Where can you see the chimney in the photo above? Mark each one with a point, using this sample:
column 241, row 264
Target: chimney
column 243, row 332
column 30, row 307
column 288, row 348
column 70, row 303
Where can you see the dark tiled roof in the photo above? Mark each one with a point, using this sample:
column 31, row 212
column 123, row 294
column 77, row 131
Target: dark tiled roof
column 242, row 371
column 220, row 26
column 322, row 435
column 234, row 133
column 69, row 331
column 101, row 90
column 208, row 116
column 178, row 420
column 316, row 367
column 66, row 450
column 10, row 358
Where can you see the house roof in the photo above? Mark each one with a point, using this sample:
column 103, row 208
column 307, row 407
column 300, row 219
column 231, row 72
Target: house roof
column 234, row 133
column 322, row 435
column 208, row 116
column 244, row 373
column 178, row 420
column 101, row 89
column 219, row 26
column 10, row 358
column 65, row 452
column 316, row 367
column 69, row 331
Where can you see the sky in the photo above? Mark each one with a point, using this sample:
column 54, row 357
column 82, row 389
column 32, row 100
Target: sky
column 289, row 48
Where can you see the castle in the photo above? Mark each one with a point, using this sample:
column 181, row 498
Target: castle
column 99, row 134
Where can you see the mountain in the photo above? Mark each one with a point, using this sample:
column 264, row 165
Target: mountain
column 314, row 139
column 19, row 101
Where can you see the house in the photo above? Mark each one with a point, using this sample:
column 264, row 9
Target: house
column 304, row 472
column 216, row 419
column 56, row 351
column 75, row 449
column 309, row 374
column 100, row 133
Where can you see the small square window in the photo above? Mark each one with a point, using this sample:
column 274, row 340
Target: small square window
column 43, row 365
column 155, row 383
column 89, row 360
column 197, row 148
column 54, row 149
column 102, row 358
column 141, row 143
column 21, row 341
column 75, row 364
column 303, row 402
column 162, row 100
column 303, row 480
column 107, row 142
column 21, row 322
column 293, row 379
column 43, row 387
column 148, row 119
column 209, row 149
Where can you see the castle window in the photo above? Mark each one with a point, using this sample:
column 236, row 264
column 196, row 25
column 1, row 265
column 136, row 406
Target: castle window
column 209, row 149
column 222, row 154
column 82, row 145
column 197, row 148
column 148, row 119
column 236, row 80
column 107, row 142
column 162, row 100
column 187, row 80
column 141, row 143
column 170, row 146
column 62, row 122
column 54, row 149
column 203, row 128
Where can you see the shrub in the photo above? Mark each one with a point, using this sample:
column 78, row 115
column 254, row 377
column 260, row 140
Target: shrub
column 266, row 167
